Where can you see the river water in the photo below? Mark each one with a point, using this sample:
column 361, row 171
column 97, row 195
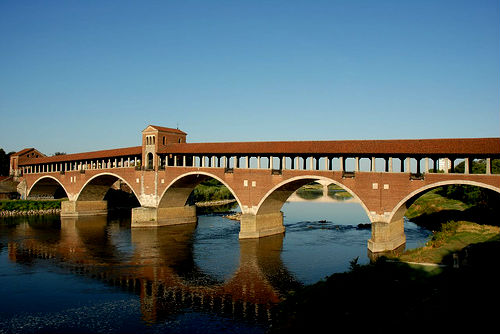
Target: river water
column 98, row 275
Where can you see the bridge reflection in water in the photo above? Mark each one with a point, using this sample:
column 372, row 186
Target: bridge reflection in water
column 160, row 267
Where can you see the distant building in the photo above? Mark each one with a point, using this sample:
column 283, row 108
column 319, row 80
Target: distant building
column 444, row 164
column 16, row 158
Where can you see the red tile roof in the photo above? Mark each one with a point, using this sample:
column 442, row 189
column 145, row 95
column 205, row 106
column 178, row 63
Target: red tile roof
column 104, row 154
column 472, row 146
column 162, row 128
column 26, row 150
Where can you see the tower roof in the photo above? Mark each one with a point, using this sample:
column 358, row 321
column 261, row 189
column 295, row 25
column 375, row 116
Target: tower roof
column 165, row 129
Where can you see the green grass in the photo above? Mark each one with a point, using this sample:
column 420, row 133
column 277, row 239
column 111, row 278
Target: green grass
column 432, row 202
column 340, row 194
column 453, row 237
column 210, row 192
column 26, row 205
column 455, row 224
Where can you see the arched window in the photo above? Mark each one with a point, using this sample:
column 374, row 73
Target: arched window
column 149, row 160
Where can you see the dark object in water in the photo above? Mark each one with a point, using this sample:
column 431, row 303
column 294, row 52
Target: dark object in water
column 364, row 226
column 322, row 221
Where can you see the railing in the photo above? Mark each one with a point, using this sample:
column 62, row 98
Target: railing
column 348, row 166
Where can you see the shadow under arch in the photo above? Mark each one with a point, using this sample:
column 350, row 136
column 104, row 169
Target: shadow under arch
column 48, row 185
column 400, row 209
column 98, row 185
column 275, row 198
column 177, row 192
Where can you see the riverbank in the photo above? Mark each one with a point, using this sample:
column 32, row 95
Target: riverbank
column 450, row 283
column 454, row 238
column 397, row 295
column 214, row 203
column 11, row 208
column 15, row 213
column 456, row 224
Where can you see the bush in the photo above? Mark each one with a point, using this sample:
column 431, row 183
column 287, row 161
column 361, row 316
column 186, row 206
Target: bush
column 210, row 190
column 26, row 205
column 470, row 195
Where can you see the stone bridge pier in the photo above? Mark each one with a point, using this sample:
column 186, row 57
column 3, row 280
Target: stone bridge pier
column 386, row 234
column 151, row 216
column 73, row 209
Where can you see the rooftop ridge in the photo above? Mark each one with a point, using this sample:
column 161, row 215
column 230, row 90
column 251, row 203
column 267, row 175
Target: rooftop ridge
column 163, row 128
column 133, row 150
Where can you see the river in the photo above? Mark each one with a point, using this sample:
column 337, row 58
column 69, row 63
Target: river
column 98, row 275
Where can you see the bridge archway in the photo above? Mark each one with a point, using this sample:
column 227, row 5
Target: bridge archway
column 400, row 209
column 275, row 198
column 96, row 187
column 47, row 185
column 177, row 192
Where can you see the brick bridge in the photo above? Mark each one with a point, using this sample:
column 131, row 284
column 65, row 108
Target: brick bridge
column 385, row 176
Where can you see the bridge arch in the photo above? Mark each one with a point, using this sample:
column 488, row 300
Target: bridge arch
column 46, row 185
column 276, row 197
column 400, row 209
column 177, row 192
column 98, row 185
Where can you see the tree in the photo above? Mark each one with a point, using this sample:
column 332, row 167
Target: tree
column 60, row 153
column 479, row 166
column 4, row 162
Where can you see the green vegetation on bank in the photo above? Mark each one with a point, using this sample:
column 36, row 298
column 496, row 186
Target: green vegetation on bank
column 210, row 190
column 315, row 190
column 452, row 238
column 392, row 293
column 455, row 202
column 432, row 202
column 479, row 167
column 26, row 205
column 393, row 296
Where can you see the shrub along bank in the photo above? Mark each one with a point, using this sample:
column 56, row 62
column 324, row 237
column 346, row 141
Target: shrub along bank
column 29, row 207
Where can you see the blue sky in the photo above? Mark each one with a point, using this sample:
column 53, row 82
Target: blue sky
column 89, row 75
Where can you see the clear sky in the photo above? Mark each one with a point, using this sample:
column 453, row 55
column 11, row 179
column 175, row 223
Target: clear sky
column 88, row 75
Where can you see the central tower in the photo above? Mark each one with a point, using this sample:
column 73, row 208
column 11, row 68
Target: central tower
column 155, row 138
